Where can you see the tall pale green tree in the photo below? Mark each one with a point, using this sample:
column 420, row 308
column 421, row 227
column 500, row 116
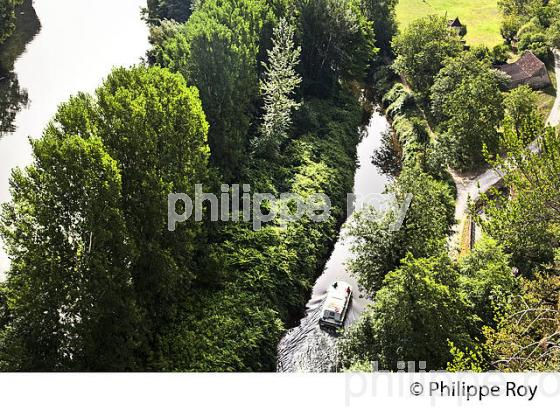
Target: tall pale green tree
column 278, row 87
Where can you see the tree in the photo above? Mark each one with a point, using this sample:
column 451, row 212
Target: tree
column 70, row 276
column 510, row 27
column 421, row 50
column 161, row 148
column 518, row 7
column 527, row 223
column 533, row 22
column 279, row 84
column 521, row 106
column 7, row 18
column 486, row 278
column 337, row 42
column 378, row 249
column 217, row 51
column 537, row 41
column 382, row 13
column 417, row 311
column 500, row 54
column 466, row 99
column 525, row 337
column 178, row 10
column 141, row 138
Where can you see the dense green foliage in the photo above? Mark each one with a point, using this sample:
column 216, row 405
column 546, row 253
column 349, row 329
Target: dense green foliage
column 217, row 51
column 264, row 93
column 379, row 249
column 534, row 24
column 525, row 337
column 415, row 313
column 337, row 42
column 487, row 278
column 12, row 100
column 469, row 121
column 428, row 303
column 467, row 100
column 457, row 114
column 411, row 143
column 520, row 105
column 269, row 272
column 87, row 226
column 382, row 13
column 221, row 47
column 527, row 223
column 7, row 18
column 522, row 335
column 421, row 50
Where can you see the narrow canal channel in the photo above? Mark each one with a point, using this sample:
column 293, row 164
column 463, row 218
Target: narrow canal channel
column 306, row 348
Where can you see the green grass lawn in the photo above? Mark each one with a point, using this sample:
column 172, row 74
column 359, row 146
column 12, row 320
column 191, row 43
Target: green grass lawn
column 547, row 96
column 480, row 16
column 545, row 100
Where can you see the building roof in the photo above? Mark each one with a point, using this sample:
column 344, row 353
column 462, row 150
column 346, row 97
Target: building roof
column 526, row 67
column 454, row 23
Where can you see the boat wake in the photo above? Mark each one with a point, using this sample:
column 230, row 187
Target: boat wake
column 307, row 348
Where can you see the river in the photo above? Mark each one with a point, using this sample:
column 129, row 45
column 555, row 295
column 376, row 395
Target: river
column 78, row 44
column 306, row 348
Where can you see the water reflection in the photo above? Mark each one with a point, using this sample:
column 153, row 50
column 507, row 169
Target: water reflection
column 306, row 348
column 12, row 99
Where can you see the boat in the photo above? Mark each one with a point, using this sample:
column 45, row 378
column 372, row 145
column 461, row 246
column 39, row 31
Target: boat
column 335, row 307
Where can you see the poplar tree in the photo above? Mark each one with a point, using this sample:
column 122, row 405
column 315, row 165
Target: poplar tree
column 278, row 87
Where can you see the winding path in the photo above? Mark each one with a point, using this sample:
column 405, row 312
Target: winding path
column 472, row 187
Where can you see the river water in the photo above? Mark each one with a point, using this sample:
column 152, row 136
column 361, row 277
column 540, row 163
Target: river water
column 78, row 44
column 306, row 348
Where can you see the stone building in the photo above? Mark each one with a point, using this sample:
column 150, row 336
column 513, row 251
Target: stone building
column 528, row 69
